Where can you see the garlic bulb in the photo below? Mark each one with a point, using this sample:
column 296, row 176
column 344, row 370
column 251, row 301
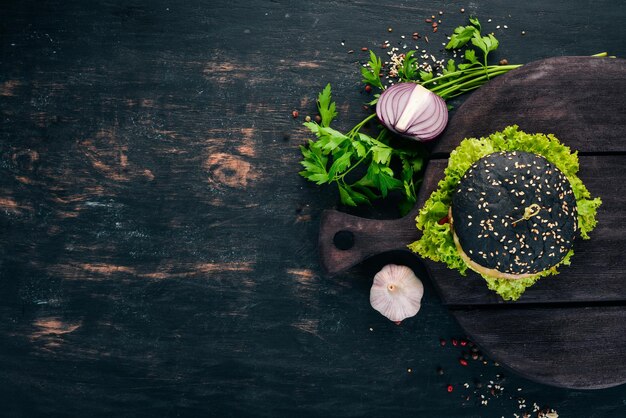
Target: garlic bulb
column 396, row 292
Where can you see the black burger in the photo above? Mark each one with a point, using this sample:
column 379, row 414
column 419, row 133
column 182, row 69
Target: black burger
column 513, row 215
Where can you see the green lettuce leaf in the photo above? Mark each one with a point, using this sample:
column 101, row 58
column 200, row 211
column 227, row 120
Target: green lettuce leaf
column 437, row 243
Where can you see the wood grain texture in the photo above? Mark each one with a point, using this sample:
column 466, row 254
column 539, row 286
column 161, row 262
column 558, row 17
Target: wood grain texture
column 552, row 346
column 578, row 99
column 157, row 247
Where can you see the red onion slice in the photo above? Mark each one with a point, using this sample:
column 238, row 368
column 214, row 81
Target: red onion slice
column 413, row 111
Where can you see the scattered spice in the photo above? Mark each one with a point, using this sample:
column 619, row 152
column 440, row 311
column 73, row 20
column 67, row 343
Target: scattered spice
column 368, row 88
column 450, row 388
column 294, row 114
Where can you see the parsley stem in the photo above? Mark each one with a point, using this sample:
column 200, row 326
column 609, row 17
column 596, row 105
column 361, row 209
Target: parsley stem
column 358, row 127
column 475, row 75
column 468, row 85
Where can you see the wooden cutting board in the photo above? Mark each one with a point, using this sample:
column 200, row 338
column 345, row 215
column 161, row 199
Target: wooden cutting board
column 567, row 330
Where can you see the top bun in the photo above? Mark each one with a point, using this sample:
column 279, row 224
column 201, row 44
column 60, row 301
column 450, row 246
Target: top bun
column 513, row 215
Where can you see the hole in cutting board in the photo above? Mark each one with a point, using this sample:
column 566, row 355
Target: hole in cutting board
column 343, row 240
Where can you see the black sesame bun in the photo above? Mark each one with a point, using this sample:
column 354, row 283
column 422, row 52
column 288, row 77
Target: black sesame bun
column 513, row 215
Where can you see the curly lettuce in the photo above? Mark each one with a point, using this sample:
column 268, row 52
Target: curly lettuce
column 437, row 243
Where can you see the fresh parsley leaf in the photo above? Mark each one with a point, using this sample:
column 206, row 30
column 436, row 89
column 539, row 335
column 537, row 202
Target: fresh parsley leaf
column 426, row 76
column 474, row 21
column 326, row 106
column 462, row 36
column 470, row 55
column 371, row 72
column 408, row 70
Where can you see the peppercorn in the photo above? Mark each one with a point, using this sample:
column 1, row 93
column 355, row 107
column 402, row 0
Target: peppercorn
column 450, row 388
column 504, row 61
column 294, row 114
column 307, row 118
column 463, row 362
column 368, row 88
column 442, row 342
column 463, row 343
column 318, row 118
column 454, row 340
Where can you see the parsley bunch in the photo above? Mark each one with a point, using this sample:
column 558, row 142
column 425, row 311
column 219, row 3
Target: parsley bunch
column 363, row 167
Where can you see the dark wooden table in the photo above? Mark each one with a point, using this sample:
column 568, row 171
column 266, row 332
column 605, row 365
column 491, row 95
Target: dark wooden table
column 158, row 251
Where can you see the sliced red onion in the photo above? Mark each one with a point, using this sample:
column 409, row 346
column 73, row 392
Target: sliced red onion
column 413, row 111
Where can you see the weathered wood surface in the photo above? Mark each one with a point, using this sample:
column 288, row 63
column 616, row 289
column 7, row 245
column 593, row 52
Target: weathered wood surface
column 157, row 248
column 583, row 342
column 578, row 99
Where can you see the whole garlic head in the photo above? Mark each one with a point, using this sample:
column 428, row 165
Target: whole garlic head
column 396, row 292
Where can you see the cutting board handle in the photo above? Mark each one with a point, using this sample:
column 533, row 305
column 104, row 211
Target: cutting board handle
column 346, row 240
